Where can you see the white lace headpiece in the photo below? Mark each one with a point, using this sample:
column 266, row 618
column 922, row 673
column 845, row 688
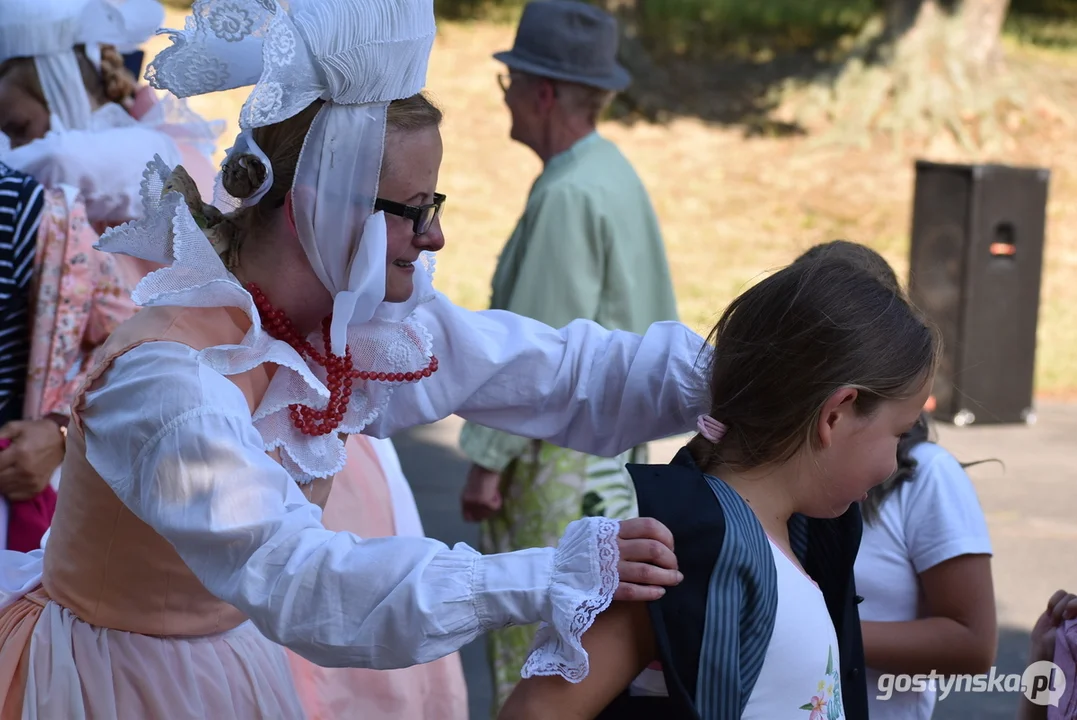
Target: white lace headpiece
column 358, row 57
column 48, row 31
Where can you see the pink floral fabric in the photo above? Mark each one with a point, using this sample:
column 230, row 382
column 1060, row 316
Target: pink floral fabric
column 79, row 299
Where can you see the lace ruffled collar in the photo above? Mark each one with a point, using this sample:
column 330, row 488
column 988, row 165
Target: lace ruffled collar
column 393, row 341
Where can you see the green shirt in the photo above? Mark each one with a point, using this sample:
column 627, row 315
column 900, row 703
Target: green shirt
column 587, row 246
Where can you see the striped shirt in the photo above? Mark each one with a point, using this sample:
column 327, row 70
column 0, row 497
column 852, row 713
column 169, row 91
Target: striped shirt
column 21, row 203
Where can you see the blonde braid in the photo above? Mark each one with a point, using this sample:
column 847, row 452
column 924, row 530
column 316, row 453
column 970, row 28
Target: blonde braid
column 118, row 83
column 222, row 230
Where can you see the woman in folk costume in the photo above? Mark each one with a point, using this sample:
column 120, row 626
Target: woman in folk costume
column 370, row 498
column 379, row 486
column 128, row 23
column 188, row 539
column 72, row 112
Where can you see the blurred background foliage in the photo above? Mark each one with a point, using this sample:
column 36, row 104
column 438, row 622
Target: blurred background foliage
column 694, row 28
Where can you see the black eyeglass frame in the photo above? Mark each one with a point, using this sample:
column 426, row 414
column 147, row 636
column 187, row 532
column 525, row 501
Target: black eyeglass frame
column 420, row 215
column 505, row 80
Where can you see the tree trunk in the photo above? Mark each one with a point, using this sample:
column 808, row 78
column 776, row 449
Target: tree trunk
column 983, row 20
column 933, row 70
column 618, row 7
column 977, row 24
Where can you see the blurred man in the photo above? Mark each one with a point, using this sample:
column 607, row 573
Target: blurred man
column 588, row 246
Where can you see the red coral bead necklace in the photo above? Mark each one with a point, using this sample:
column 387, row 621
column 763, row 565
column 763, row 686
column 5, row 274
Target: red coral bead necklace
column 340, row 370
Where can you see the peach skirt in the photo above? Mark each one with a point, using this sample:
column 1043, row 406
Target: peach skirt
column 53, row 665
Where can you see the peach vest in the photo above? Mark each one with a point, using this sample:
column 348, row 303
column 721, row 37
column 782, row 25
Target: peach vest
column 105, row 565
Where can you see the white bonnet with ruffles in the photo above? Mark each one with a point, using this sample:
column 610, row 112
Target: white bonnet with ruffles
column 357, row 57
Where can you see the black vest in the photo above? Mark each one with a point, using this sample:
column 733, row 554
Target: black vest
column 826, row 548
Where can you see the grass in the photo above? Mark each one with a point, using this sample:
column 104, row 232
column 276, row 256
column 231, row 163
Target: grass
column 722, row 27
column 731, row 208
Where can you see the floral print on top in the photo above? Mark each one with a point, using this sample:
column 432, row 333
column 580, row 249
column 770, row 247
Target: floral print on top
column 79, row 299
column 826, row 703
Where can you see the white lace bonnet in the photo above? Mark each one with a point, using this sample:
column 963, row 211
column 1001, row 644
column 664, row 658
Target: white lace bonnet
column 48, row 31
column 358, row 56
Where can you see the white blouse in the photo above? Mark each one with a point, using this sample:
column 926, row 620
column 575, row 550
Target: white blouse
column 175, row 440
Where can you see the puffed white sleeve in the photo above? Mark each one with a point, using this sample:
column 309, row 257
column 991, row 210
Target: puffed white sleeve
column 175, row 442
column 582, row 387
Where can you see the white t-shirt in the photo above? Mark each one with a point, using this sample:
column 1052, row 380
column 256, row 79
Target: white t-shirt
column 801, row 671
column 931, row 518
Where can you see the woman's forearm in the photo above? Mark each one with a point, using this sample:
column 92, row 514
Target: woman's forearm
column 920, row 646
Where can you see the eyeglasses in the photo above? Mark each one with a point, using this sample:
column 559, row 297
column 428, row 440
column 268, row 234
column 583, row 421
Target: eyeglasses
column 505, row 81
column 421, row 216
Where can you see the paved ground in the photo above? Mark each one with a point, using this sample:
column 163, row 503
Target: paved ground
column 1031, row 506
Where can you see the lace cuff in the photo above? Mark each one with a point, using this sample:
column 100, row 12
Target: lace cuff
column 584, row 580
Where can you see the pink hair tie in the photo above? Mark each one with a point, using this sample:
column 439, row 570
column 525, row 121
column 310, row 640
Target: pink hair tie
column 710, row 428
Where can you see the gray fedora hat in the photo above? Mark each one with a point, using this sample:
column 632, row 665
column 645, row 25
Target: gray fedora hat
column 567, row 40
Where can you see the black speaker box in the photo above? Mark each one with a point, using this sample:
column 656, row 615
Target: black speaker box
column 974, row 270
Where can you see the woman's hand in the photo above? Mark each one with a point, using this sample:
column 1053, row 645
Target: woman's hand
column 36, row 450
column 647, row 560
column 481, row 497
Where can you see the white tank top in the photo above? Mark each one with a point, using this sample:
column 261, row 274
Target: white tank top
column 800, row 677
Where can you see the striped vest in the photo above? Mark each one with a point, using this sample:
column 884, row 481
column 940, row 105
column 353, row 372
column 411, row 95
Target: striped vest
column 712, row 631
